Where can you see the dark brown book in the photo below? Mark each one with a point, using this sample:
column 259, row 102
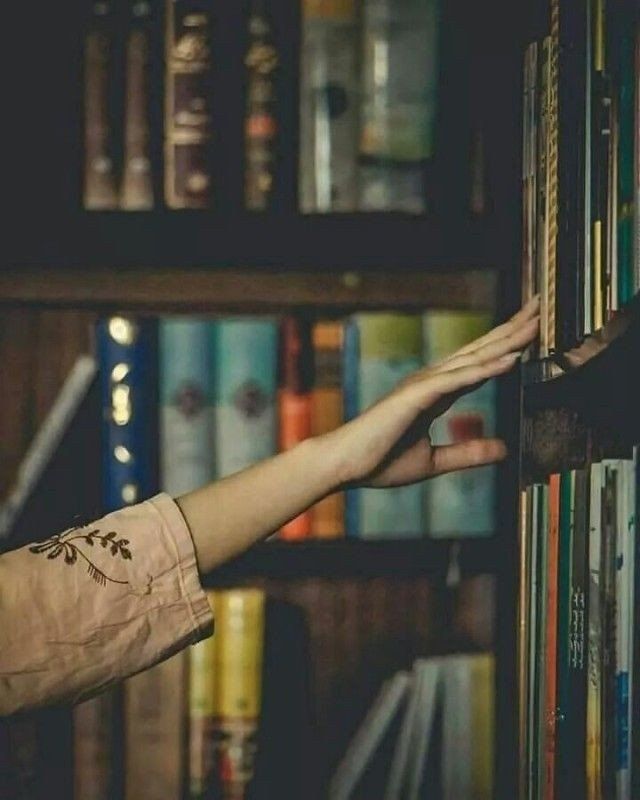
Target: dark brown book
column 188, row 172
column 261, row 123
column 136, row 192
column 99, row 58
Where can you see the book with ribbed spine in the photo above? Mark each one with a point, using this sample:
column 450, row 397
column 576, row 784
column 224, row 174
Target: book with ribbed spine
column 188, row 117
column 245, row 354
column 460, row 503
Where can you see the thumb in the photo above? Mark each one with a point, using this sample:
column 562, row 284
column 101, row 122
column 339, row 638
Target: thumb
column 472, row 453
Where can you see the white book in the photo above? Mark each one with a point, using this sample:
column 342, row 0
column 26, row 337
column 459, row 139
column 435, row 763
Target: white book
column 429, row 672
column 369, row 736
column 46, row 441
column 411, row 720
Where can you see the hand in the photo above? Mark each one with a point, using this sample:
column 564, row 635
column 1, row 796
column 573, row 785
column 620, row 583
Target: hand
column 389, row 444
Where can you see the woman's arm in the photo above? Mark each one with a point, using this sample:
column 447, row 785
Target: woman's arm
column 388, row 445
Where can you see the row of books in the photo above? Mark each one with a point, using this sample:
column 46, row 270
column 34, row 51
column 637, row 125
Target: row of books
column 232, row 391
column 581, row 166
column 194, row 726
column 368, row 86
column 578, row 614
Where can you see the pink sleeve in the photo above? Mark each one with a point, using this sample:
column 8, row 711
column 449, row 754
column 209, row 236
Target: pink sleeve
column 95, row 604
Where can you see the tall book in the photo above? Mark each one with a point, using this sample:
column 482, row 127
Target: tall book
column 328, row 106
column 136, row 192
column 326, row 416
column 397, row 139
column 202, row 713
column 594, row 687
column 186, row 404
column 188, row 86
column 261, row 121
column 127, row 358
column 549, row 700
column 390, row 348
column 245, row 355
column 295, row 402
column 100, row 181
column 96, row 753
column 460, row 503
column 240, row 619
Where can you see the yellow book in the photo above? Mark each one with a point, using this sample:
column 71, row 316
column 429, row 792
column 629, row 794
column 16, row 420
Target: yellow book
column 483, row 725
column 202, row 712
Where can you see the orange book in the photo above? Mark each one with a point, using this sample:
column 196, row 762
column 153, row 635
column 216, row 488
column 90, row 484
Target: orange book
column 551, row 636
column 327, row 415
column 295, row 403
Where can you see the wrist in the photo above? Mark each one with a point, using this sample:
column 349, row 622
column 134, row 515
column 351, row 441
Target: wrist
column 325, row 462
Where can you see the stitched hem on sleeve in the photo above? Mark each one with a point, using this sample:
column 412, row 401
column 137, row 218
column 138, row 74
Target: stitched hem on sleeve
column 193, row 593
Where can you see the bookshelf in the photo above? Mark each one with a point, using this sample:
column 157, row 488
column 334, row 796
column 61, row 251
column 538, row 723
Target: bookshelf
column 61, row 267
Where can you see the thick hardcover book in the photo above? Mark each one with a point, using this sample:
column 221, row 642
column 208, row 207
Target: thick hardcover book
column 328, row 105
column 100, row 182
column 397, row 118
column 460, row 503
column 154, row 731
column 187, row 168
column 240, row 616
column 295, row 402
column 390, row 349
column 186, row 404
column 127, row 358
column 261, row 122
column 351, row 405
column 245, row 355
column 136, row 191
column 326, row 416
column 201, row 714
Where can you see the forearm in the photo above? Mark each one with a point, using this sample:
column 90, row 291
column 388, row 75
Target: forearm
column 228, row 516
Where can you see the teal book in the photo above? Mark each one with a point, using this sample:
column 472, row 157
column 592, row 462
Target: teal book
column 186, row 404
column 460, row 503
column 245, row 362
column 390, row 348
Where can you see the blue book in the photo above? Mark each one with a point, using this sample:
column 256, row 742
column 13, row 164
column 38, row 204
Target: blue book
column 186, row 404
column 350, row 363
column 389, row 349
column 245, row 366
column 127, row 362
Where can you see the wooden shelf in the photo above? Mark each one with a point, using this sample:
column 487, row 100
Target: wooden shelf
column 245, row 290
column 358, row 558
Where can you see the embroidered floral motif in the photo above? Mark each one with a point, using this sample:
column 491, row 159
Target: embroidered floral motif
column 69, row 543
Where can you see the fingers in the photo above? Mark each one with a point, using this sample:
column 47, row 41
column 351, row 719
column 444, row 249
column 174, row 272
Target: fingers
column 463, row 455
column 461, row 379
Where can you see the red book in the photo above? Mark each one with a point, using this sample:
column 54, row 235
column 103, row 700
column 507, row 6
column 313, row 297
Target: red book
column 295, row 409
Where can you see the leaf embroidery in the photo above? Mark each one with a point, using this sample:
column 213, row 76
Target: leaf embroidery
column 68, row 543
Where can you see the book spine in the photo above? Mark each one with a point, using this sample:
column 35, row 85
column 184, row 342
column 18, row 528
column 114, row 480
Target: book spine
column 154, row 731
column 327, row 415
column 294, row 403
column 245, row 354
column 240, row 617
column 543, row 196
column 188, row 168
column 186, row 416
column 96, row 752
column 390, row 350
column 328, row 106
column 594, row 689
column 608, row 643
column 261, row 122
column 529, row 282
column 482, row 668
column 127, row 355
column 99, row 158
column 202, row 714
column 137, row 180
column 547, row 558
column 551, row 634
column 351, row 405
column 552, row 176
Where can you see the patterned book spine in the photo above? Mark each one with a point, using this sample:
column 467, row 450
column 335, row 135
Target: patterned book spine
column 261, row 123
column 294, row 403
column 240, row 620
column 328, row 106
column 460, row 503
column 351, row 405
column 202, row 713
column 127, row 357
column 186, row 403
column 390, row 349
column 99, row 161
column 137, row 179
column 327, row 415
column 245, row 355
column 188, row 170
column 552, row 176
